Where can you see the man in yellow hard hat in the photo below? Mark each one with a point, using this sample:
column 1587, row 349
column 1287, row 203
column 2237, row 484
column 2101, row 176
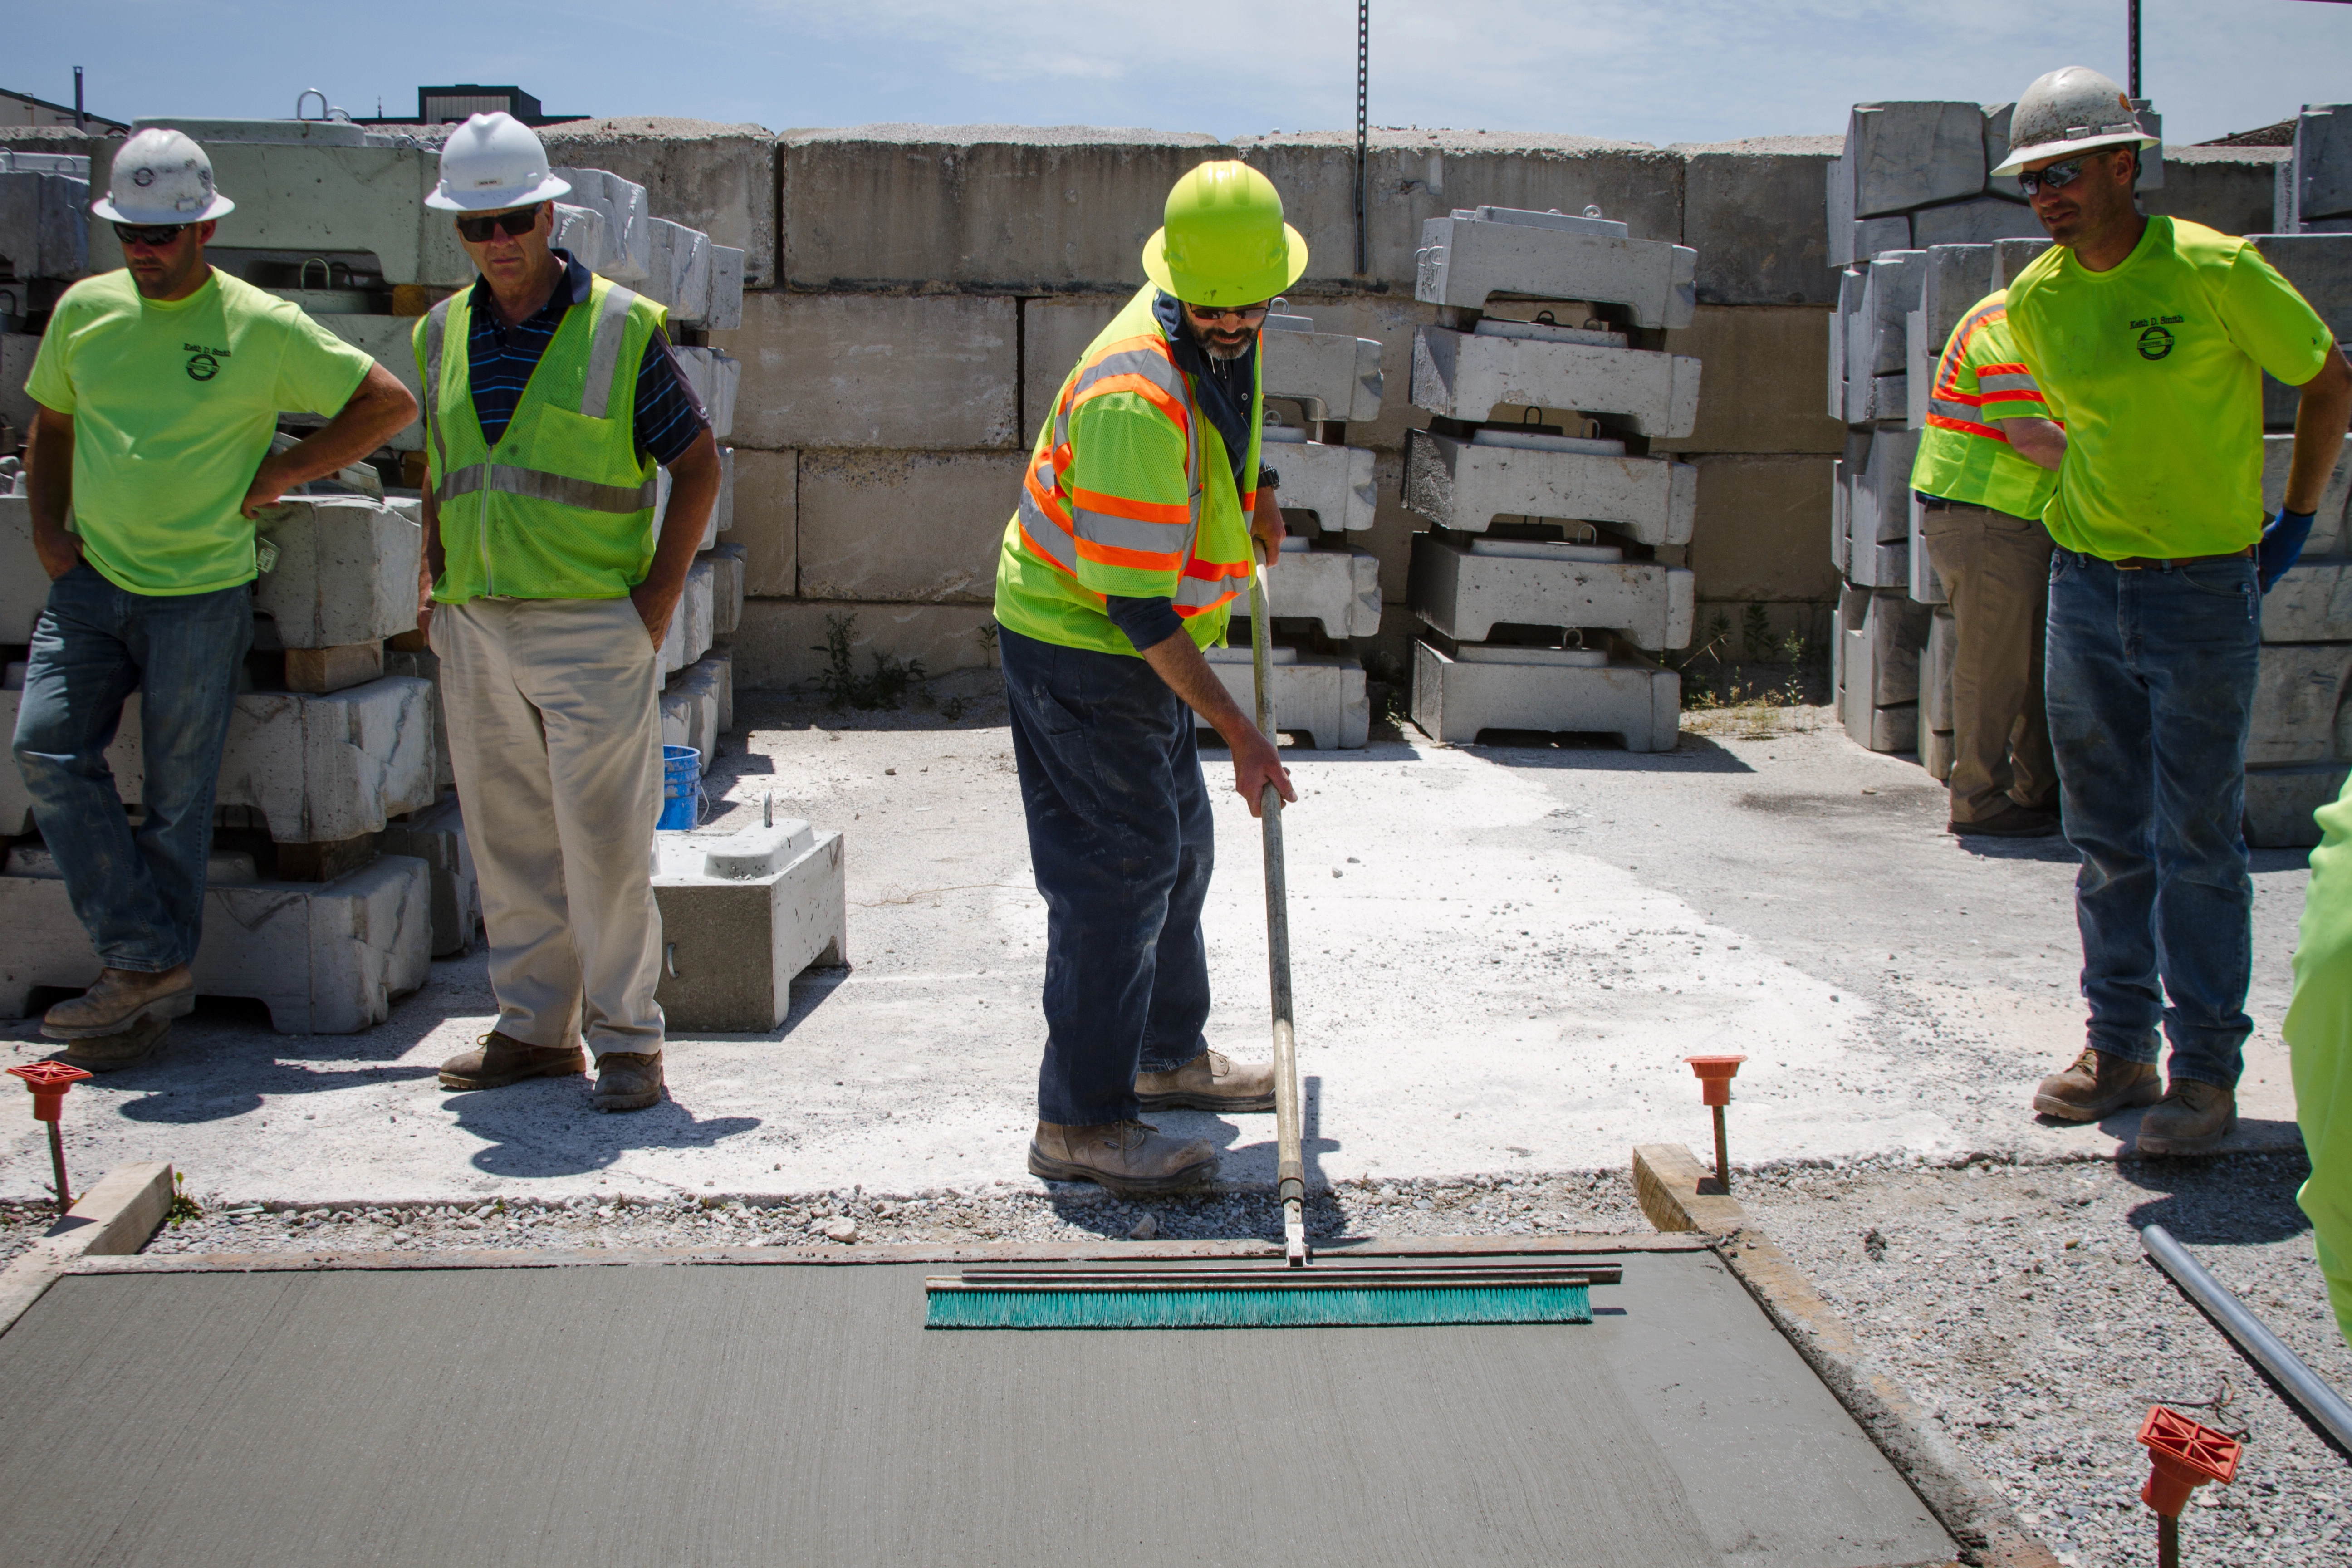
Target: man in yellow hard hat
column 1132, row 537
column 2150, row 338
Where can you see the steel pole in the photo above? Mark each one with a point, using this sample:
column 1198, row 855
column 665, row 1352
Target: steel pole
column 57, row 1164
column 2135, row 49
column 2168, row 1528
column 1722, row 1154
column 2263, row 1348
column 1363, row 125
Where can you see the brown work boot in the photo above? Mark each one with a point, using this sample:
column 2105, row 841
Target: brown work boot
column 111, row 1053
column 1210, row 1081
column 627, row 1080
column 498, row 1061
column 2191, row 1119
column 2011, row 821
column 1130, row 1158
column 120, row 1000
column 2097, row 1085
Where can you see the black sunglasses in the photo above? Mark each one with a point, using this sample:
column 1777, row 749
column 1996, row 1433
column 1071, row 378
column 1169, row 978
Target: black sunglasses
column 513, row 224
column 156, row 234
column 1218, row 312
column 2057, row 177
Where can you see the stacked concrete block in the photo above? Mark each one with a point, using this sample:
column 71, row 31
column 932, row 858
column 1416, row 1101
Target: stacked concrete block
column 2319, row 265
column 1540, row 580
column 1874, row 666
column 437, row 835
column 623, row 233
column 2299, row 746
column 1320, row 696
column 743, row 913
column 43, row 219
column 2317, row 183
column 1936, row 726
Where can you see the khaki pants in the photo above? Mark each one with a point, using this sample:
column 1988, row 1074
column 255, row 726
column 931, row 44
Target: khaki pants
column 556, row 739
column 1996, row 568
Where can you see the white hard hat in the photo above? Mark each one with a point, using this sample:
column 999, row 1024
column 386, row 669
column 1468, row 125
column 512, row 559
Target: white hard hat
column 491, row 163
column 161, row 177
column 2072, row 110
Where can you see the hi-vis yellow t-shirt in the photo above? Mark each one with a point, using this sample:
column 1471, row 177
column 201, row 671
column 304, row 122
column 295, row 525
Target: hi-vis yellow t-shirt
column 174, row 404
column 2155, row 368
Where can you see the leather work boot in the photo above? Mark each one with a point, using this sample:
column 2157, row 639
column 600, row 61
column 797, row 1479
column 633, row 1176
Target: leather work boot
column 2098, row 1085
column 2011, row 821
column 2191, row 1119
column 120, row 1000
column 498, row 1059
column 1130, row 1158
column 111, row 1053
column 1210, row 1081
column 627, row 1080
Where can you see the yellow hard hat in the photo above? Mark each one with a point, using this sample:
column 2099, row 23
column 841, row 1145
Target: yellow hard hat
column 1224, row 241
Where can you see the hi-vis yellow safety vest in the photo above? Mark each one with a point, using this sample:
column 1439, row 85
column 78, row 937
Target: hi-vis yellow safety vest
column 1129, row 492
column 1982, row 379
column 562, row 508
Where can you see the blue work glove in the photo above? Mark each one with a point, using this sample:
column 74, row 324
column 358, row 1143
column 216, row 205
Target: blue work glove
column 2282, row 546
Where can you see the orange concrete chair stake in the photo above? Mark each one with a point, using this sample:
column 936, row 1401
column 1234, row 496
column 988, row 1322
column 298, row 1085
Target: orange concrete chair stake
column 49, row 1082
column 1714, row 1075
column 2182, row 1455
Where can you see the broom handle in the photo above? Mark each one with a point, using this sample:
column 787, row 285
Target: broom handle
column 1290, row 1164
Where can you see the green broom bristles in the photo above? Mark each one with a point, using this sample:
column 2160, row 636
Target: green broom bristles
column 1258, row 1307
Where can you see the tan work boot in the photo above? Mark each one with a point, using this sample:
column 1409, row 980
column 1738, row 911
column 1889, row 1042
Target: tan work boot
column 2097, row 1085
column 1130, row 1158
column 498, row 1061
column 1210, row 1081
column 111, row 1053
column 627, row 1080
column 120, row 1000
column 2191, row 1119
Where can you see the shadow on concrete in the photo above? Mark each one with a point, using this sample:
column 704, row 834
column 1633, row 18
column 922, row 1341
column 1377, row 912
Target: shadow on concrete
column 2221, row 1201
column 1601, row 753
column 546, row 1127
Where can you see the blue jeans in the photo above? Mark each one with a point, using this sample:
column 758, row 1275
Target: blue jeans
column 2151, row 690
column 1122, row 845
column 140, row 895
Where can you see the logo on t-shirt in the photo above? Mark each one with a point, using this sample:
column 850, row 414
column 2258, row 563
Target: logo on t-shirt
column 204, row 363
column 2155, row 342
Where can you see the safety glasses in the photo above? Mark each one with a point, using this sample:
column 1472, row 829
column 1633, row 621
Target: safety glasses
column 2057, row 177
column 154, row 234
column 513, row 224
column 1245, row 314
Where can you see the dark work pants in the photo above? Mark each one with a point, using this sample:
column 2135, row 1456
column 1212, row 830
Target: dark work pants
column 1122, row 845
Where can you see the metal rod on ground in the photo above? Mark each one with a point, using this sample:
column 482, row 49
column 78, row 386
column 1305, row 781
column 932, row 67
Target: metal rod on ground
column 2168, row 1542
column 1722, row 1154
column 2263, row 1348
column 57, row 1164
column 1290, row 1164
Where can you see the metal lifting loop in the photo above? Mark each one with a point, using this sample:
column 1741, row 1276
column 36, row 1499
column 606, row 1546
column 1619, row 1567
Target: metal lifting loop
column 325, row 111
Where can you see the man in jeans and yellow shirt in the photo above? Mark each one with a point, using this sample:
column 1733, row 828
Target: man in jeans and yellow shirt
column 2149, row 337
column 1986, row 467
column 160, row 387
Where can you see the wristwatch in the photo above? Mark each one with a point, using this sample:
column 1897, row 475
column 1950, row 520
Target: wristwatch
column 1267, row 479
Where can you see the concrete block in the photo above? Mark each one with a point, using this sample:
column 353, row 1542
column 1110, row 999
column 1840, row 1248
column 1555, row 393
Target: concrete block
column 388, row 341
column 1890, row 292
column 781, row 642
column 2320, row 268
column 690, row 627
column 726, row 563
column 1840, row 518
column 697, row 704
column 677, row 269
column 318, row 768
column 1339, row 375
column 1466, row 485
column 1337, row 586
column 1878, row 236
column 437, row 835
column 1926, row 587
column 1886, row 566
column 423, row 664
column 580, row 233
column 1054, row 333
column 743, row 913
column 724, row 508
column 1980, row 221
column 726, row 311
column 1333, row 485
column 622, row 232
column 1848, row 311
column 2313, row 603
column 44, row 224
column 767, row 521
column 1996, row 146
column 2329, row 534
column 2298, row 690
column 1759, row 527
column 1878, row 474
column 1905, row 155
column 1838, row 208
column 715, row 378
column 1952, row 278
column 1938, row 658
column 322, row 670
column 662, row 483
column 346, row 572
column 718, row 178
column 2011, row 257
column 324, row 958
column 1489, row 250
column 1468, row 375
column 2280, row 802
column 1880, row 637
column 1752, row 355
column 1464, row 587
column 1457, row 696
column 1936, row 750
column 31, row 159
column 2323, row 161
column 24, row 583
column 1748, row 209
column 1318, row 695
column 2232, row 189
column 1881, row 399
column 903, row 525
column 877, row 372
column 17, row 351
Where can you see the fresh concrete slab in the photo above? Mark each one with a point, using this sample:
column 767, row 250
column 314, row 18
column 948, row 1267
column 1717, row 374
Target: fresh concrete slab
column 743, row 912
column 1465, row 485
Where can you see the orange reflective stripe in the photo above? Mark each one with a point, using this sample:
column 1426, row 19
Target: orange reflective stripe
column 1134, row 560
column 1176, row 512
column 1150, row 391
column 1945, row 422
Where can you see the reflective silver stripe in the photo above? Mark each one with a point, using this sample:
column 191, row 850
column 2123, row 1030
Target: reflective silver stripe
column 436, row 324
column 2019, row 382
column 1203, row 593
column 1966, row 412
column 1046, row 534
column 1155, row 368
column 532, row 485
column 605, row 336
column 1131, row 533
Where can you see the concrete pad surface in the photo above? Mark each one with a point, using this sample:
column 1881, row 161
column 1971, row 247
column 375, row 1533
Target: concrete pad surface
column 1500, row 955
column 787, row 1413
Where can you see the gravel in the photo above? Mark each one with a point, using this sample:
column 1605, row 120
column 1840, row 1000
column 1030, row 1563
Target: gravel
column 2012, row 1301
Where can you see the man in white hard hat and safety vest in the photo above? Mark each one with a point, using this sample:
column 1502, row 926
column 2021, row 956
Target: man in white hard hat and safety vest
column 551, row 397
column 159, row 389
column 2150, row 338
column 1132, row 537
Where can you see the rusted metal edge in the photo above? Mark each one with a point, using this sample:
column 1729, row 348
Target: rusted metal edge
column 1969, row 1508
column 892, row 1252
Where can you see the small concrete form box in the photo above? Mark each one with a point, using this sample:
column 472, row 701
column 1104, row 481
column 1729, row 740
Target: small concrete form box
column 1333, row 484
column 1337, row 586
column 1465, row 485
column 743, row 913
column 1464, row 587
column 1468, row 375
column 1458, row 696
column 1320, row 695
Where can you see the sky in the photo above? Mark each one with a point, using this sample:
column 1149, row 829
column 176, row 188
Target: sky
column 1646, row 70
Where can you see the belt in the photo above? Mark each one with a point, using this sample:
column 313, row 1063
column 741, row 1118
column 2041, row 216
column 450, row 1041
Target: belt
column 2161, row 564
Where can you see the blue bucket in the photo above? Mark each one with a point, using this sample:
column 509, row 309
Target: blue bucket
column 682, row 797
